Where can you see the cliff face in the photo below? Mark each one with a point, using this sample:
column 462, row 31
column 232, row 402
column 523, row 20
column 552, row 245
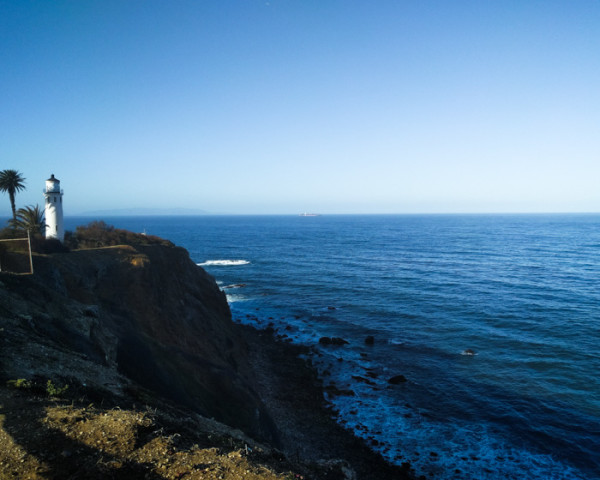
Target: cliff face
column 125, row 316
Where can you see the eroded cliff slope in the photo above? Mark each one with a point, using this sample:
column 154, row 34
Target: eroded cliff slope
column 124, row 317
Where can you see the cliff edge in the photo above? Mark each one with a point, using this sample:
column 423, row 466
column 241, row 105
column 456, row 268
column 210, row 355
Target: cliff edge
column 123, row 362
column 145, row 314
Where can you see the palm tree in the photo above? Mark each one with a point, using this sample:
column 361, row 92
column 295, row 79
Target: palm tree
column 29, row 219
column 11, row 182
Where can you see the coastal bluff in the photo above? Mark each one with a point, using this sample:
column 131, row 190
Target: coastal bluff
column 123, row 361
column 147, row 314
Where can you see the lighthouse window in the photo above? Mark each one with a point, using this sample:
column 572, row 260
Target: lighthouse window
column 54, row 199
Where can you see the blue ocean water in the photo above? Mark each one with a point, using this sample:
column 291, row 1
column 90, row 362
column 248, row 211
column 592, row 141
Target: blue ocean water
column 521, row 291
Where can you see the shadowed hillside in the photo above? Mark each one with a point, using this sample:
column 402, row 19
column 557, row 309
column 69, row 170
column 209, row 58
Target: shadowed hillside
column 123, row 361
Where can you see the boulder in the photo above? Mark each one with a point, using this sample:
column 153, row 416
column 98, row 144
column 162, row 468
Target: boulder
column 333, row 390
column 339, row 469
column 363, row 380
column 397, row 379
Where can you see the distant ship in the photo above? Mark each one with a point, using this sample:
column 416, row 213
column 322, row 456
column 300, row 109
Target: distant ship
column 310, row 214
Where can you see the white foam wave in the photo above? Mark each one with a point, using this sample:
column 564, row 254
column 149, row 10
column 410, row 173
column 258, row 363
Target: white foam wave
column 474, row 450
column 236, row 298
column 469, row 352
column 223, row 262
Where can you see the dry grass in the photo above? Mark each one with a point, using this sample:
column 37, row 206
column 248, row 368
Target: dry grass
column 40, row 439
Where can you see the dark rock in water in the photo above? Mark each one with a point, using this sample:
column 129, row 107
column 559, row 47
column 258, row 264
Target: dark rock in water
column 332, row 341
column 469, row 351
column 363, row 380
column 331, row 308
column 333, row 390
column 370, row 340
column 397, row 379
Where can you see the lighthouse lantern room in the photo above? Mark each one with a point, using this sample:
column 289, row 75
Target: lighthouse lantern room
column 54, row 210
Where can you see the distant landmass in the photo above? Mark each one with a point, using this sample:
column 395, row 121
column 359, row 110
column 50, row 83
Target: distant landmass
column 146, row 211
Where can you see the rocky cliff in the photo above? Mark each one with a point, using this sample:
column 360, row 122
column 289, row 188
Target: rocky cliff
column 126, row 318
column 161, row 383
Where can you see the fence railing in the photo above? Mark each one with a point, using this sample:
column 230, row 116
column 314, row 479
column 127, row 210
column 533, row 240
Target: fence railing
column 29, row 245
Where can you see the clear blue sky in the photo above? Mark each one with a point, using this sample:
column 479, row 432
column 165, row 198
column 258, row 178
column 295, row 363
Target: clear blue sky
column 284, row 106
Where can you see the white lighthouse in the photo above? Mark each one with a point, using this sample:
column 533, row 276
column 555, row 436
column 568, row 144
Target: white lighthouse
column 54, row 210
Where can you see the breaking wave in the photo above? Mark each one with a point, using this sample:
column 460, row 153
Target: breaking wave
column 223, row 263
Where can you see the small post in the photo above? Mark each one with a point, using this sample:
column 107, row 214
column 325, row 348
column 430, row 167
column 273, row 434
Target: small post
column 30, row 256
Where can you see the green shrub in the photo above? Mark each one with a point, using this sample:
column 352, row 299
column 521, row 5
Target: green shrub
column 19, row 383
column 55, row 391
column 99, row 234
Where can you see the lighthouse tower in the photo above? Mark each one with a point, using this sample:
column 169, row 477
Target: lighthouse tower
column 54, row 210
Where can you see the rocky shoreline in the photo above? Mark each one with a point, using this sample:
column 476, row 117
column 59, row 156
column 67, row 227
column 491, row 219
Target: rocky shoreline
column 294, row 396
column 124, row 362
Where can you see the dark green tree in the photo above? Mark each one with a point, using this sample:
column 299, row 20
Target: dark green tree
column 29, row 219
column 12, row 182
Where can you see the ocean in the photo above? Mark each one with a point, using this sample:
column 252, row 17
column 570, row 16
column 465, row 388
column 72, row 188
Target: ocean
column 492, row 320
